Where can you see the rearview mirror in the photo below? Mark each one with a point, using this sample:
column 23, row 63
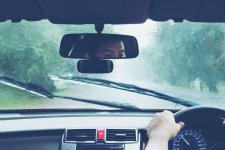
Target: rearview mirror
column 95, row 66
column 98, row 46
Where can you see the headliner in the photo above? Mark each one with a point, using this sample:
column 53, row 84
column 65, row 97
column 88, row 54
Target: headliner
column 112, row 11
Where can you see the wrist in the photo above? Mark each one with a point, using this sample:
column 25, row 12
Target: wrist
column 157, row 142
column 165, row 136
column 160, row 137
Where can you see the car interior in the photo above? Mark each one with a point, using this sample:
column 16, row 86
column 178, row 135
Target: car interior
column 117, row 113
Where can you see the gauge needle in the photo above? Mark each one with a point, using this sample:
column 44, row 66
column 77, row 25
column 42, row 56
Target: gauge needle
column 184, row 140
column 221, row 118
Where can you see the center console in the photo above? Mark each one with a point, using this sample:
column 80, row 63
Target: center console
column 102, row 139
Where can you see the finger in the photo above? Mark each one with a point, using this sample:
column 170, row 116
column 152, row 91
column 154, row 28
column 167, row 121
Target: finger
column 180, row 125
column 224, row 122
column 157, row 114
column 167, row 112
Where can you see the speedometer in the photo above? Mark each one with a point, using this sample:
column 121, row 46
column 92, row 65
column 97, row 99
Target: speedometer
column 189, row 139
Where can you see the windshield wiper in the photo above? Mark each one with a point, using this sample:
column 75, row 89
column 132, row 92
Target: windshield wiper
column 40, row 91
column 26, row 86
column 132, row 88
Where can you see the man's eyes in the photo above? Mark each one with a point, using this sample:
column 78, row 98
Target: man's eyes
column 122, row 54
column 108, row 56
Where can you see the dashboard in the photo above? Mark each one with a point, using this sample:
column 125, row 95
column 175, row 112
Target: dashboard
column 74, row 130
column 105, row 130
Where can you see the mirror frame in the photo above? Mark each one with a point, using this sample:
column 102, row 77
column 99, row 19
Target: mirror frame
column 131, row 54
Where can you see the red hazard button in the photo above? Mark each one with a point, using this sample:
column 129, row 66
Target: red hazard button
column 101, row 134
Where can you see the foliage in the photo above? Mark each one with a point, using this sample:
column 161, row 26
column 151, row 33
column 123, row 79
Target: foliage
column 29, row 51
column 184, row 53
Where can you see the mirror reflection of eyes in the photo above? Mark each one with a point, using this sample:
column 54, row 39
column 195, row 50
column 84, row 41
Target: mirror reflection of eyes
column 122, row 54
column 108, row 56
column 111, row 54
column 105, row 54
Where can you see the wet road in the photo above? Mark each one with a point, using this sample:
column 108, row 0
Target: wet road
column 102, row 93
column 97, row 92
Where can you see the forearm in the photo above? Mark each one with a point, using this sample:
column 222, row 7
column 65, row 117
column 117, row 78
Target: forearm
column 157, row 143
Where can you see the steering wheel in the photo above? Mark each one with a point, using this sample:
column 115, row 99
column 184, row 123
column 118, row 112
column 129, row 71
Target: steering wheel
column 195, row 116
column 199, row 111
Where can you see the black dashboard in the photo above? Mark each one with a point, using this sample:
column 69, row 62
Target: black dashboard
column 103, row 131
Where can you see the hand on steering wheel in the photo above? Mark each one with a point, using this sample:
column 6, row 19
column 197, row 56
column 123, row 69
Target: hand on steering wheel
column 164, row 125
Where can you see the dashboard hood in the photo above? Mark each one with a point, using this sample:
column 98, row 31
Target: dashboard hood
column 112, row 11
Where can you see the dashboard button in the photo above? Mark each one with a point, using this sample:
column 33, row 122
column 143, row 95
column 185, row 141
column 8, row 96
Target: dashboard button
column 101, row 134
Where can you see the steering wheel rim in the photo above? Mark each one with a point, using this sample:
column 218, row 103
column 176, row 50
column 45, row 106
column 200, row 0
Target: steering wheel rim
column 198, row 110
column 192, row 113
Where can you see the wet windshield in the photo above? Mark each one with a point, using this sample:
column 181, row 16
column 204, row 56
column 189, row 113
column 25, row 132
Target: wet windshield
column 179, row 65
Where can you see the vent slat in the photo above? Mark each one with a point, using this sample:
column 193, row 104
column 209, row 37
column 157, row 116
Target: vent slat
column 121, row 135
column 81, row 135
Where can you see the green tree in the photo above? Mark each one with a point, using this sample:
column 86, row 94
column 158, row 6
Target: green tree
column 185, row 52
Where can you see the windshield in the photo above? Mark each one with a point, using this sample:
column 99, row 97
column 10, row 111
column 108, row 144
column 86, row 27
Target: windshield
column 179, row 65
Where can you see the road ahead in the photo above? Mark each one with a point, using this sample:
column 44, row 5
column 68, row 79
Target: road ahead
column 13, row 98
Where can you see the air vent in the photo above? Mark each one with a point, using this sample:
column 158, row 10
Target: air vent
column 80, row 135
column 121, row 135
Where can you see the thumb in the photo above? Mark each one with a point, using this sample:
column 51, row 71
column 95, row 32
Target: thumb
column 224, row 122
column 180, row 125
